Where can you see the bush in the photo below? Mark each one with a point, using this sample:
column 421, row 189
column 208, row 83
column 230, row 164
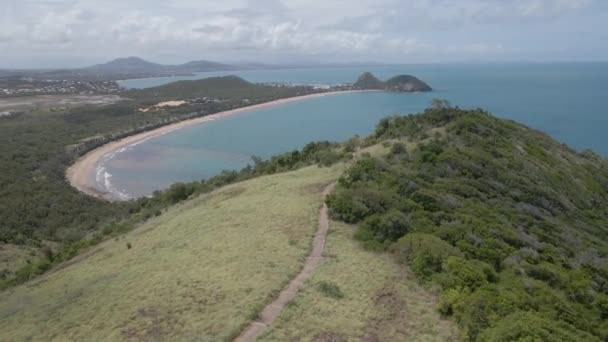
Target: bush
column 399, row 149
column 327, row 157
column 425, row 253
column 459, row 273
column 601, row 302
column 530, row 326
column 346, row 208
column 179, row 192
column 330, row 290
column 354, row 205
column 389, row 226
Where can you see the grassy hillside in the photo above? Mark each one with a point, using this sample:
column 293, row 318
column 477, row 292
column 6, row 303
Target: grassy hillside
column 207, row 266
column 201, row 270
column 360, row 295
column 509, row 223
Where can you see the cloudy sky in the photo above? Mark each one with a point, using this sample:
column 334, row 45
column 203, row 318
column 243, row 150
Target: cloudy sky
column 68, row 33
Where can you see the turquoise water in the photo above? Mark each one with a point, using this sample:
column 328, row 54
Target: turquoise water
column 566, row 101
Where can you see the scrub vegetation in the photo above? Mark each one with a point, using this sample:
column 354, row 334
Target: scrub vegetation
column 510, row 224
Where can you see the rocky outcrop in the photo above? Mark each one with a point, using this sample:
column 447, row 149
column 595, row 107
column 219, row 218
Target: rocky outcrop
column 368, row 81
column 401, row 83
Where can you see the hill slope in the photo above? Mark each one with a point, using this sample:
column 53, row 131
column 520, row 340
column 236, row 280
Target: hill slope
column 199, row 271
column 511, row 224
column 202, row 269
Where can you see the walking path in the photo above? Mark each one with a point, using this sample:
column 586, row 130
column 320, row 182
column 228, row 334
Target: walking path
column 272, row 310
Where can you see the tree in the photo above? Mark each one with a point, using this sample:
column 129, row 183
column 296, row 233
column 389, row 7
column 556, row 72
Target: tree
column 438, row 103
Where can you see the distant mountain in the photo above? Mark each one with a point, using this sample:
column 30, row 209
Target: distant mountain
column 200, row 66
column 121, row 68
column 401, row 83
column 136, row 65
column 128, row 65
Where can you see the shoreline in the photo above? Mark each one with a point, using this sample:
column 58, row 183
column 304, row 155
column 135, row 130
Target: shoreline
column 82, row 175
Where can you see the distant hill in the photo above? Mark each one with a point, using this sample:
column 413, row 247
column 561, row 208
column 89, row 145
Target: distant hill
column 401, row 83
column 138, row 65
column 121, row 68
column 222, row 86
column 202, row 65
column 368, row 81
column 126, row 65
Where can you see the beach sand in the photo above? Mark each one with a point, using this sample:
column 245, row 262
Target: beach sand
column 82, row 174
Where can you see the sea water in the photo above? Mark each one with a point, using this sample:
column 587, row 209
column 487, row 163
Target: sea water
column 565, row 100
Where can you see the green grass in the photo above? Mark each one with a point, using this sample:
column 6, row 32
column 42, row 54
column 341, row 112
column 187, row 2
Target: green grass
column 379, row 300
column 198, row 272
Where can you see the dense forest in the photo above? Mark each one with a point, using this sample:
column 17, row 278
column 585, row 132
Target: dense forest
column 37, row 205
column 510, row 224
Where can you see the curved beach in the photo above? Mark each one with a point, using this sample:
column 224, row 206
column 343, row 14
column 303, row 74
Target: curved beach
column 82, row 175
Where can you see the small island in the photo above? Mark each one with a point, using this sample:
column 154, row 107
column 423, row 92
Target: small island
column 400, row 83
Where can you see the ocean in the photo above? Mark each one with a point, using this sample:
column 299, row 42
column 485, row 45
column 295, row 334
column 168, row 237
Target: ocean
column 565, row 100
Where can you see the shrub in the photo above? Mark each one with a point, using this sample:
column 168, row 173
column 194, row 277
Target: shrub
column 424, row 253
column 327, row 157
column 331, row 290
column 345, row 207
column 530, row 326
column 426, row 199
column 389, row 226
column 601, row 303
column 459, row 273
column 398, row 149
column 179, row 192
column 354, row 205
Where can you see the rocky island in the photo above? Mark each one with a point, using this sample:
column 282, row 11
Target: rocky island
column 401, row 83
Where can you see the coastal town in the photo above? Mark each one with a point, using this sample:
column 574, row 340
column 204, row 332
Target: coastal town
column 29, row 86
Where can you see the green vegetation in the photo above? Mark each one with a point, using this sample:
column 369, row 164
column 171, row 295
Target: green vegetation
column 200, row 271
column 148, row 207
column 230, row 88
column 506, row 222
column 509, row 223
column 40, row 209
column 356, row 295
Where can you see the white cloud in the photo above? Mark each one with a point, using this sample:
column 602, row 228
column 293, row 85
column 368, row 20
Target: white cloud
column 338, row 29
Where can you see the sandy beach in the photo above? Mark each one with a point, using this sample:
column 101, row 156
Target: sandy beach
column 82, row 174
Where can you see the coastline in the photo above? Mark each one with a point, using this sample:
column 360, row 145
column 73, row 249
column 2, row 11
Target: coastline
column 82, row 175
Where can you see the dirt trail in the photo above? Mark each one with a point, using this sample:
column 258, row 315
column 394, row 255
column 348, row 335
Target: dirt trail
column 272, row 310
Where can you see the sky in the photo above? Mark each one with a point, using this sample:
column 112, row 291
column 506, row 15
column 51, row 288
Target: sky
column 72, row 33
